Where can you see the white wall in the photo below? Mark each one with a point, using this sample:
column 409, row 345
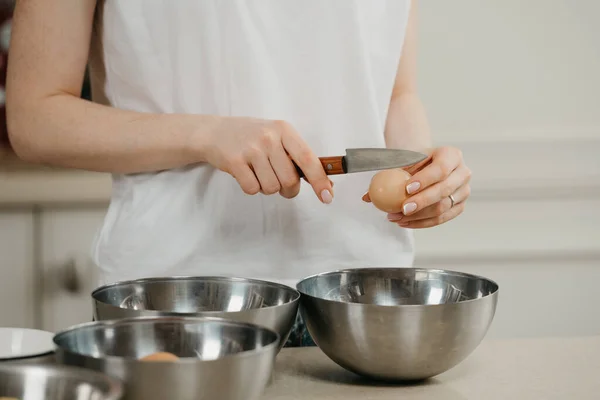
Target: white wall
column 516, row 85
column 511, row 68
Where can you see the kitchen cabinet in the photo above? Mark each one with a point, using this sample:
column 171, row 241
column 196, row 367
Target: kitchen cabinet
column 541, row 298
column 17, row 295
column 543, row 252
column 69, row 274
column 509, row 227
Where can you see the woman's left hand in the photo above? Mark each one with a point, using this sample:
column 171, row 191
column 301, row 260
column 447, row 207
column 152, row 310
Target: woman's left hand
column 433, row 181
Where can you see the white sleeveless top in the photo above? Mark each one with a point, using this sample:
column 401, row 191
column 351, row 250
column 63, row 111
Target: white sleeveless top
column 327, row 67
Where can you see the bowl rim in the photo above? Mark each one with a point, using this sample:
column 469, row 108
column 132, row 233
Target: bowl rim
column 28, row 354
column 115, row 387
column 366, row 269
column 294, row 291
column 182, row 360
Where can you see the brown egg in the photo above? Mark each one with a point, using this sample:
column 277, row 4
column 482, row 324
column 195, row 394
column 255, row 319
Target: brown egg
column 160, row 357
column 388, row 190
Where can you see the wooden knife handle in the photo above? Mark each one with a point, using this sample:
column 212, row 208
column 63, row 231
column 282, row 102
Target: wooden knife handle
column 331, row 165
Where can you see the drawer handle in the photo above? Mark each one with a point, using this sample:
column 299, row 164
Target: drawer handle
column 71, row 281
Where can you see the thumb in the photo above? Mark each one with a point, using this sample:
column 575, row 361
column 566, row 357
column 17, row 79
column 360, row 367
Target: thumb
column 413, row 169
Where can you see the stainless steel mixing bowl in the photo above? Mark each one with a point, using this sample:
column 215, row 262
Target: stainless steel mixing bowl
column 397, row 323
column 56, row 382
column 268, row 304
column 220, row 359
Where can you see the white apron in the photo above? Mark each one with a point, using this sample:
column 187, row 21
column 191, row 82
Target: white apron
column 327, row 67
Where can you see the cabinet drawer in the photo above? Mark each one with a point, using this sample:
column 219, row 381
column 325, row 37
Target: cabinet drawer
column 69, row 274
column 515, row 226
column 17, row 300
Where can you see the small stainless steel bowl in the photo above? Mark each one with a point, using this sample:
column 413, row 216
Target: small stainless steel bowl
column 397, row 323
column 56, row 382
column 267, row 304
column 220, row 359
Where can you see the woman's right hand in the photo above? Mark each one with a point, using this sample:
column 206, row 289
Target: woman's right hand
column 258, row 154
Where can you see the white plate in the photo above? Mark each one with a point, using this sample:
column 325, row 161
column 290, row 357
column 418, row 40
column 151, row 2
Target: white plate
column 18, row 343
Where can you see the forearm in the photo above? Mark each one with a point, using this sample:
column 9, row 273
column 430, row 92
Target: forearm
column 66, row 131
column 406, row 125
column 48, row 122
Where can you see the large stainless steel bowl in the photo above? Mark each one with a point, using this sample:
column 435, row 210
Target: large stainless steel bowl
column 220, row 359
column 56, row 382
column 397, row 323
column 268, row 304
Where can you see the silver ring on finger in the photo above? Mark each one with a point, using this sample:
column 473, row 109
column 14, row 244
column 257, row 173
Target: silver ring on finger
column 452, row 201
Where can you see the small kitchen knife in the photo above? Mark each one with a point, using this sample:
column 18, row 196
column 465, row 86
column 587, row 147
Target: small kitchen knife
column 368, row 159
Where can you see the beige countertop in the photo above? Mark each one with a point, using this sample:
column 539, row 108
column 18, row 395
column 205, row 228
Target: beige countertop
column 527, row 369
column 39, row 187
column 23, row 184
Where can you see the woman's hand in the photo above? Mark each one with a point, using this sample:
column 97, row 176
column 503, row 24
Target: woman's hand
column 258, row 154
column 433, row 181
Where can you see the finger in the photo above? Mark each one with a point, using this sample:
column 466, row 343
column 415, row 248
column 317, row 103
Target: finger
column 289, row 181
column 434, row 210
column 263, row 170
column 437, row 192
column 246, row 179
column 444, row 161
column 290, row 192
column 413, row 169
column 430, row 222
column 332, row 183
column 309, row 164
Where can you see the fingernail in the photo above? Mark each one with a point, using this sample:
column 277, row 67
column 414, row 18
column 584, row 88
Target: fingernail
column 394, row 217
column 413, row 187
column 409, row 207
column 326, row 196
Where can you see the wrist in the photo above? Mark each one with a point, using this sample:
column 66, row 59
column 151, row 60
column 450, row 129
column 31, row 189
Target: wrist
column 202, row 134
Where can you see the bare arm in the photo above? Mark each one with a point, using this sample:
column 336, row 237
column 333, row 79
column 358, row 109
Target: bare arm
column 48, row 122
column 439, row 186
column 407, row 125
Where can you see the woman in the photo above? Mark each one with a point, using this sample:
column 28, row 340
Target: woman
column 198, row 108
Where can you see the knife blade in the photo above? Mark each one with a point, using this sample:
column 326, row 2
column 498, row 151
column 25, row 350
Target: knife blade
column 368, row 159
